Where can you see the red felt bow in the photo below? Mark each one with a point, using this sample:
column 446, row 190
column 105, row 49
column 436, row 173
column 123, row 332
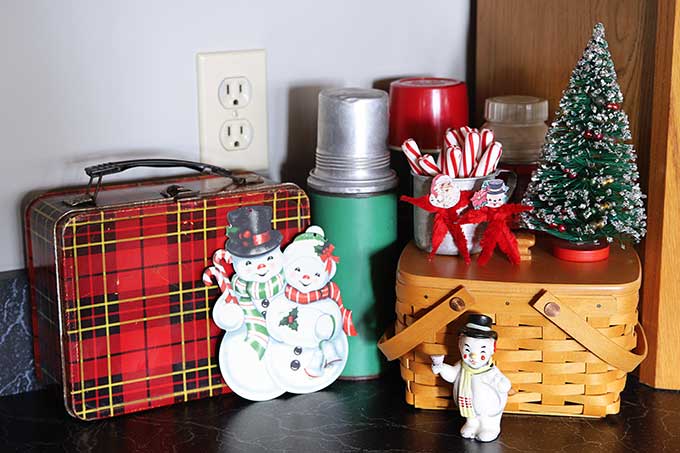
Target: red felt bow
column 497, row 232
column 445, row 221
column 328, row 257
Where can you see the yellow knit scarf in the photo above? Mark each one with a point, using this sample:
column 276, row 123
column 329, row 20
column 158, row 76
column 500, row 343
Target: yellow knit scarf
column 465, row 387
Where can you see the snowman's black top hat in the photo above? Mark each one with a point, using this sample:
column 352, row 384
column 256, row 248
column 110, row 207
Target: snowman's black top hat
column 478, row 326
column 250, row 231
column 496, row 187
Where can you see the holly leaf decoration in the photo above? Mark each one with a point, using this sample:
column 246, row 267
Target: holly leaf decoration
column 232, row 230
column 319, row 249
column 290, row 320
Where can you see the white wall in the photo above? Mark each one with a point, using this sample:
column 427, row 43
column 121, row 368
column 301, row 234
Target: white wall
column 86, row 81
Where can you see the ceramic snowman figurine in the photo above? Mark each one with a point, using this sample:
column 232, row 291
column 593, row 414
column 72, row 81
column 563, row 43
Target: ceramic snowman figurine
column 254, row 249
column 309, row 327
column 479, row 388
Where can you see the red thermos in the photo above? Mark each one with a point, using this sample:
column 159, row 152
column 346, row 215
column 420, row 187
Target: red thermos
column 422, row 108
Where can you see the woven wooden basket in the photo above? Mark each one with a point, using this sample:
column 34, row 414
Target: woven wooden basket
column 566, row 331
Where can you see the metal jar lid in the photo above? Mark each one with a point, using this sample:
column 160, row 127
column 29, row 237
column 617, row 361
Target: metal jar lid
column 351, row 153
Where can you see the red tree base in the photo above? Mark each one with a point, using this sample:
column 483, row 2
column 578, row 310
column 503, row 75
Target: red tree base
column 580, row 253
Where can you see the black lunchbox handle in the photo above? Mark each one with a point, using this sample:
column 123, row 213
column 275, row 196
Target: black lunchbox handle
column 110, row 168
column 100, row 170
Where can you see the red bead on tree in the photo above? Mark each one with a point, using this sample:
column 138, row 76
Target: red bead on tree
column 589, row 134
column 569, row 173
column 599, row 136
column 614, row 106
column 562, row 228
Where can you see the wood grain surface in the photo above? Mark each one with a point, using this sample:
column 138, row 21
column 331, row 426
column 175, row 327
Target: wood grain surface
column 621, row 272
column 661, row 307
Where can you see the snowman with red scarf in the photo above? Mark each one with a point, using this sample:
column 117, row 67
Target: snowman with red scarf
column 310, row 325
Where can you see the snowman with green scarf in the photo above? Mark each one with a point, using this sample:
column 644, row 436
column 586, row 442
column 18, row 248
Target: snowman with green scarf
column 254, row 250
column 310, row 325
column 479, row 387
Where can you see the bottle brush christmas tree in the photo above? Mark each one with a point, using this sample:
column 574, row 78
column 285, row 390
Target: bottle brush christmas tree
column 585, row 189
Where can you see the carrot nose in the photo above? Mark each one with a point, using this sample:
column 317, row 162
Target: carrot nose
column 473, row 355
column 261, row 266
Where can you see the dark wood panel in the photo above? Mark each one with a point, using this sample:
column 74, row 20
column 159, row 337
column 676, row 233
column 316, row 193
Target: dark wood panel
column 531, row 46
column 660, row 308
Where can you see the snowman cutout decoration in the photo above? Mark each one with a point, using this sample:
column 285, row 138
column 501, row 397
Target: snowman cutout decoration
column 254, row 250
column 479, row 387
column 309, row 326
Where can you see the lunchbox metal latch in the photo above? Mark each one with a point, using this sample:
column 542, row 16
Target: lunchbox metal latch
column 177, row 192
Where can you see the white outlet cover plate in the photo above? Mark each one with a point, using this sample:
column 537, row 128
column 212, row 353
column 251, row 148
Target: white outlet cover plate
column 214, row 69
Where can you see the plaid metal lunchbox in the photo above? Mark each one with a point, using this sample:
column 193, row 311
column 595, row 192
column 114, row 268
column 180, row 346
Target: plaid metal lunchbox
column 121, row 316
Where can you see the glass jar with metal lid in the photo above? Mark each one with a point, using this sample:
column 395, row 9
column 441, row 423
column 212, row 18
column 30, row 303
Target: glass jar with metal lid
column 518, row 123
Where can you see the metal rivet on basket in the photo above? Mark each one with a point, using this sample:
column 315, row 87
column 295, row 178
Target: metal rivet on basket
column 599, row 305
column 425, row 296
column 507, row 302
column 457, row 304
column 552, row 309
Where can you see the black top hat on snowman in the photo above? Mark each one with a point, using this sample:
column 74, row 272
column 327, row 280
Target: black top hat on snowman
column 250, row 231
column 496, row 187
column 478, row 326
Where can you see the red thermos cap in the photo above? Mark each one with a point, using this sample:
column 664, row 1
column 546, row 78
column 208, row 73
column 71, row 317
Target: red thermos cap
column 422, row 108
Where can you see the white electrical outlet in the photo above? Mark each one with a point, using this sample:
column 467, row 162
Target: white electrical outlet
column 236, row 135
column 232, row 109
column 234, row 92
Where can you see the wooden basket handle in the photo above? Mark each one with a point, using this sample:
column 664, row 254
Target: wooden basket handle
column 576, row 327
column 446, row 310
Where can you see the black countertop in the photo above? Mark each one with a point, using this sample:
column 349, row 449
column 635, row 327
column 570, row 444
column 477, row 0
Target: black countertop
column 349, row 416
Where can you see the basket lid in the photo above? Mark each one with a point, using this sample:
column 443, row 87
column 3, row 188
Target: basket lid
column 620, row 273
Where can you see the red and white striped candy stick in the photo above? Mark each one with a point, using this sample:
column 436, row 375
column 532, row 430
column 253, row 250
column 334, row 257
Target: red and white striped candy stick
column 441, row 162
column 457, row 157
column 464, row 131
column 487, row 137
column 489, row 160
column 450, row 138
column 455, row 137
column 469, row 152
column 412, row 153
column 453, row 158
column 218, row 272
column 428, row 165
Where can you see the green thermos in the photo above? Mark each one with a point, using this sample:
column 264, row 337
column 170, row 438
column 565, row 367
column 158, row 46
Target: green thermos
column 353, row 195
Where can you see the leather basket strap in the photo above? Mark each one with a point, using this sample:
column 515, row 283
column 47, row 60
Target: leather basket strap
column 446, row 310
column 576, row 327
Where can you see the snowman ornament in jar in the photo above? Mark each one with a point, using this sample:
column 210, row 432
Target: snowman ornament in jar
column 479, row 388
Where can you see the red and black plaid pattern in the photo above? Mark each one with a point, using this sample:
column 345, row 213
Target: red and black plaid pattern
column 136, row 314
column 41, row 262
